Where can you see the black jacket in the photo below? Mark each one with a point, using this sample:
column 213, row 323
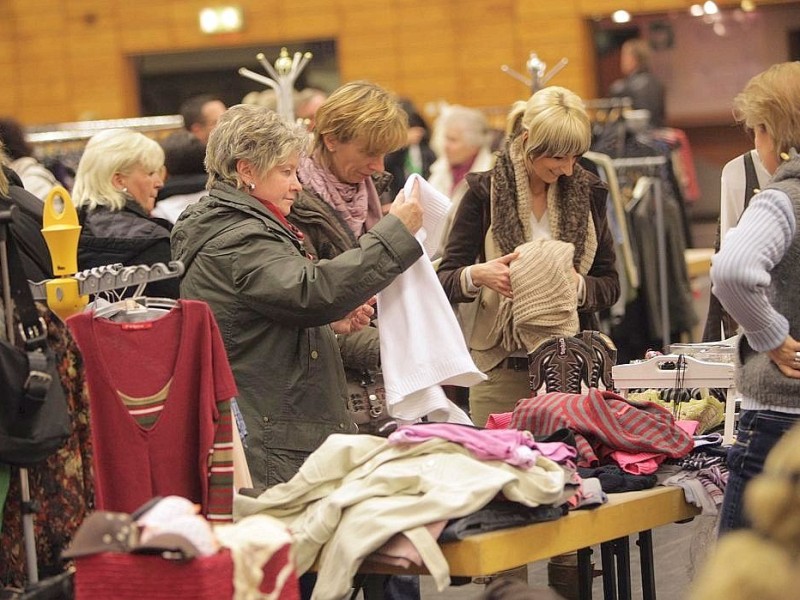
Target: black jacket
column 26, row 228
column 129, row 237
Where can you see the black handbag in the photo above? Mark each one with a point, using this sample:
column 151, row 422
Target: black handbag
column 366, row 402
column 34, row 416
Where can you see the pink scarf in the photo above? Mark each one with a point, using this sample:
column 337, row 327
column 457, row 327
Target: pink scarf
column 357, row 203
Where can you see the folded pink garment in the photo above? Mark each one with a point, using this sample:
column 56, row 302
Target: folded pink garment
column 399, row 550
column 499, row 421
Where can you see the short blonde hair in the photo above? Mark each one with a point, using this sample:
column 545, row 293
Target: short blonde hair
column 109, row 152
column 362, row 111
column 556, row 122
column 252, row 133
column 4, row 160
column 772, row 99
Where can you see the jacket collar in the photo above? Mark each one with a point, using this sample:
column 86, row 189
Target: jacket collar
column 569, row 207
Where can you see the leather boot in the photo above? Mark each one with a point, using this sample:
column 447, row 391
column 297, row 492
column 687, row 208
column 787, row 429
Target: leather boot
column 562, row 575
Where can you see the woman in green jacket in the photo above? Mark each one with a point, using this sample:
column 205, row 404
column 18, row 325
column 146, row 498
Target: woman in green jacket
column 277, row 310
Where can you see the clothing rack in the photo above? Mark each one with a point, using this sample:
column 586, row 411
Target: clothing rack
column 643, row 185
column 604, row 162
column 68, row 292
column 114, row 277
column 602, row 103
column 662, row 372
column 83, row 130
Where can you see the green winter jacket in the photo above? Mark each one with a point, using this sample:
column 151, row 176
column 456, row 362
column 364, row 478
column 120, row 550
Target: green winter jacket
column 273, row 306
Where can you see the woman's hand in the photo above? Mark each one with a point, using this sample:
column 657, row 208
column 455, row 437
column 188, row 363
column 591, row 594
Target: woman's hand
column 356, row 320
column 787, row 357
column 408, row 210
column 494, row 274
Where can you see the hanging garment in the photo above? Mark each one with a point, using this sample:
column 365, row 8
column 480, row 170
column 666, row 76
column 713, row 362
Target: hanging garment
column 423, row 349
column 175, row 371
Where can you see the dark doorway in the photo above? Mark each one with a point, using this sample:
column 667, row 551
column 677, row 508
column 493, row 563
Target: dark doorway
column 166, row 80
column 794, row 44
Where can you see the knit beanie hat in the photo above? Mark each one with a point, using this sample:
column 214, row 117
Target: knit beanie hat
column 545, row 303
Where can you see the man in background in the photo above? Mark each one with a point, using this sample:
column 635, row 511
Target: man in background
column 638, row 82
column 200, row 115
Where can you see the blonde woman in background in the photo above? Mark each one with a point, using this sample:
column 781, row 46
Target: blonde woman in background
column 756, row 276
column 116, row 184
column 343, row 179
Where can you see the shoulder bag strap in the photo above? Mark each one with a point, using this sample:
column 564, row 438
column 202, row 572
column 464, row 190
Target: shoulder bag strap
column 32, row 327
column 750, row 178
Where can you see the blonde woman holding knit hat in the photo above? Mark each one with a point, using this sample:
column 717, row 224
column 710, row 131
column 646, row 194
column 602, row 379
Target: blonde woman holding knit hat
column 536, row 191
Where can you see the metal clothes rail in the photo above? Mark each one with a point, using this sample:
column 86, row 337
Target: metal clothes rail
column 643, row 186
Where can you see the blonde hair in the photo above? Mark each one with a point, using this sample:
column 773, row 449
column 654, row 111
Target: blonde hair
column 772, row 99
column 764, row 562
column 4, row 184
column 556, row 122
column 365, row 112
column 252, row 133
column 109, row 152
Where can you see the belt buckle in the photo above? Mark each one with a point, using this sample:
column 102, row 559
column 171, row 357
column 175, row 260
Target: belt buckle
column 516, row 363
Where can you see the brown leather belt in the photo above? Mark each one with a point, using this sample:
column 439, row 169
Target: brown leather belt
column 516, row 363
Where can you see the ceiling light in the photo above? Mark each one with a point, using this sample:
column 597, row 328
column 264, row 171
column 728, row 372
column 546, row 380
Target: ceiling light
column 221, row 19
column 696, row 10
column 748, row 5
column 621, row 16
column 710, row 7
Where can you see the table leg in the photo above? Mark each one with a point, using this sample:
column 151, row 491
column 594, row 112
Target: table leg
column 623, row 553
column 585, row 574
column 609, row 563
column 645, row 543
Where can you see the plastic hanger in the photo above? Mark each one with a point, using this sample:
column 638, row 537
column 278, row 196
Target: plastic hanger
column 68, row 293
column 135, row 310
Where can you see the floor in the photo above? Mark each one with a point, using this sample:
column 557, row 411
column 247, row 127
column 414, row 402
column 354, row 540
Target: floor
column 678, row 549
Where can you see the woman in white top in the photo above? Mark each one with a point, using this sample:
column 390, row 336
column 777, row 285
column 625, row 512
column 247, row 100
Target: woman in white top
column 733, row 183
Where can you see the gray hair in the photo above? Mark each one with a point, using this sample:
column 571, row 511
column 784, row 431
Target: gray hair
column 109, row 152
column 471, row 121
column 252, row 133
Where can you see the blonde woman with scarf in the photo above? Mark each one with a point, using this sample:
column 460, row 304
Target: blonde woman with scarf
column 343, row 178
column 536, row 191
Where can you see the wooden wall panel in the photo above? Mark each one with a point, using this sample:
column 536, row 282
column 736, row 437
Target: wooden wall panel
column 70, row 59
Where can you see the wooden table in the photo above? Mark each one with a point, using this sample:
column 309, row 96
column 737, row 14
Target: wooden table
column 698, row 261
column 609, row 525
column 623, row 515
